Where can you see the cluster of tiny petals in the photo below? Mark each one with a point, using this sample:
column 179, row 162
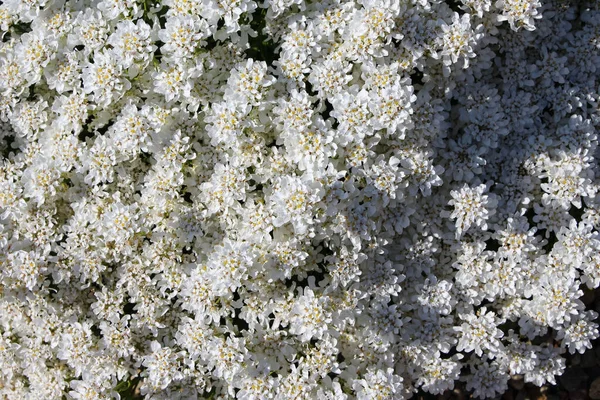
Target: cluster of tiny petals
column 289, row 199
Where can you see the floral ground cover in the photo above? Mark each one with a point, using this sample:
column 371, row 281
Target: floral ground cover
column 288, row 199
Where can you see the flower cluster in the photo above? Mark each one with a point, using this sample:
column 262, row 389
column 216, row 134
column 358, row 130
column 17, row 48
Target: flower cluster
column 288, row 199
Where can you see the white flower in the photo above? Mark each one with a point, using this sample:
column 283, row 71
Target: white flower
column 549, row 365
column 181, row 35
column 471, row 206
column 248, row 81
column 458, row 41
column 296, row 113
column 75, row 345
column 63, row 73
column 30, row 117
column 309, row 317
column 591, row 271
column 578, row 334
column 517, row 239
column 162, row 366
column 85, row 391
column 351, row 110
column 480, row 7
column 72, row 109
column 25, row 269
column 116, row 337
column 12, row 73
column 172, row 80
column 229, row 10
column 378, row 384
column 227, row 356
column 131, row 132
column 422, row 173
column 479, row 333
column 111, row 9
column 227, row 185
column 576, row 243
column 293, row 66
column 90, row 30
column 437, row 375
column 330, row 76
column 229, row 266
column 41, row 180
column 556, row 300
column 119, row 222
column 391, row 108
column 255, row 388
column 103, row 79
column 487, row 379
column 566, row 187
column 99, row 161
column 300, row 40
column 291, row 200
column 108, row 305
column 387, row 180
column 519, row 13
column 131, row 42
column 35, row 51
column 312, row 147
column 436, row 297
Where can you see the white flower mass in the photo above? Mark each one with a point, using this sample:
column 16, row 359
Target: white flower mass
column 295, row 199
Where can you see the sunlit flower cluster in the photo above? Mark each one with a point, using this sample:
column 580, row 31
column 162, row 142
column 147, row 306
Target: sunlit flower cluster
column 289, row 199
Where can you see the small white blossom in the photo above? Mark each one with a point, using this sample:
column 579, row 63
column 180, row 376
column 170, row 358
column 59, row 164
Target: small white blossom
column 471, row 207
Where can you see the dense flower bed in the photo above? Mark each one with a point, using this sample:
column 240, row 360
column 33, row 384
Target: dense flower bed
column 295, row 199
